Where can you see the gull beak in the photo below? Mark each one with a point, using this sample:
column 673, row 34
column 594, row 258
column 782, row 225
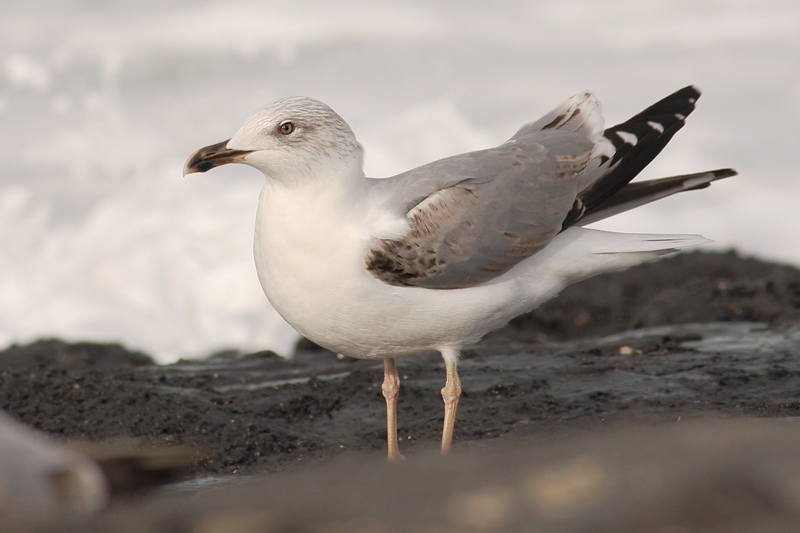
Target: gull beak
column 213, row 156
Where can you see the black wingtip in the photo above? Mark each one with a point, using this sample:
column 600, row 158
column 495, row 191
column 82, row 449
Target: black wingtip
column 643, row 192
column 724, row 173
column 651, row 130
column 716, row 175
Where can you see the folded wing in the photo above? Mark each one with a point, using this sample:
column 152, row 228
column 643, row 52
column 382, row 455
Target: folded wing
column 474, row 216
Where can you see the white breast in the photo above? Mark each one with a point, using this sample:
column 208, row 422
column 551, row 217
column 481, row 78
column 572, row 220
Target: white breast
column 309, row 255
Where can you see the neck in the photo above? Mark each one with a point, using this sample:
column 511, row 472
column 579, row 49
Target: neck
column 302, row 221
column 335, row 194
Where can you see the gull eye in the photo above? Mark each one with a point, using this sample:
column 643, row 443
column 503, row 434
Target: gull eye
column 286, row 128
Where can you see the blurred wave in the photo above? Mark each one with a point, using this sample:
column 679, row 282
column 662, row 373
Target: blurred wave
column 101, row 102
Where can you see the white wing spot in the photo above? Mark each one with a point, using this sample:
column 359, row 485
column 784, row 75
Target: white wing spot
column 680, row 117
column 628, row 137
column 699, row 180
column 603, row 148
column 656, row 126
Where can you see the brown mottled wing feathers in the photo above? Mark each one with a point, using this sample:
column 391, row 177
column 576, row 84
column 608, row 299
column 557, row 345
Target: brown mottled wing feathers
column 499, row 207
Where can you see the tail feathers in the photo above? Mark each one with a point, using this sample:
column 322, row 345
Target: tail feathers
column 643, row 192
column 579, row 253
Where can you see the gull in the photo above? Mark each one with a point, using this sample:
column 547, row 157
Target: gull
column 38, row 474
column 438, row 256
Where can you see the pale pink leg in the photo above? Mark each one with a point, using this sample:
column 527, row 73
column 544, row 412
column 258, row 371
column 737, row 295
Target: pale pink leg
column 390, row 388
column 450, row 393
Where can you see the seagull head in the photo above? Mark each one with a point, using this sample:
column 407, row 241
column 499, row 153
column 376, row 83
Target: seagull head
column 292, row 139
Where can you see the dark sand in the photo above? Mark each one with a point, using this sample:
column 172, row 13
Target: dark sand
column 660, row 397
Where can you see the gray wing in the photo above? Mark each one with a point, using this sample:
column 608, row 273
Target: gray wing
column 474, row 216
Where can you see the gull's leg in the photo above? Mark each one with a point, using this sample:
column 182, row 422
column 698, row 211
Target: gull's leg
column 450, row 393
column 390, row 388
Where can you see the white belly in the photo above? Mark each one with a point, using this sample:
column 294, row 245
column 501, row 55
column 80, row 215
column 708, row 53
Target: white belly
column 312, row 269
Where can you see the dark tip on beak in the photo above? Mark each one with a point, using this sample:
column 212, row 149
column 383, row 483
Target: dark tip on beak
column 213, row 156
